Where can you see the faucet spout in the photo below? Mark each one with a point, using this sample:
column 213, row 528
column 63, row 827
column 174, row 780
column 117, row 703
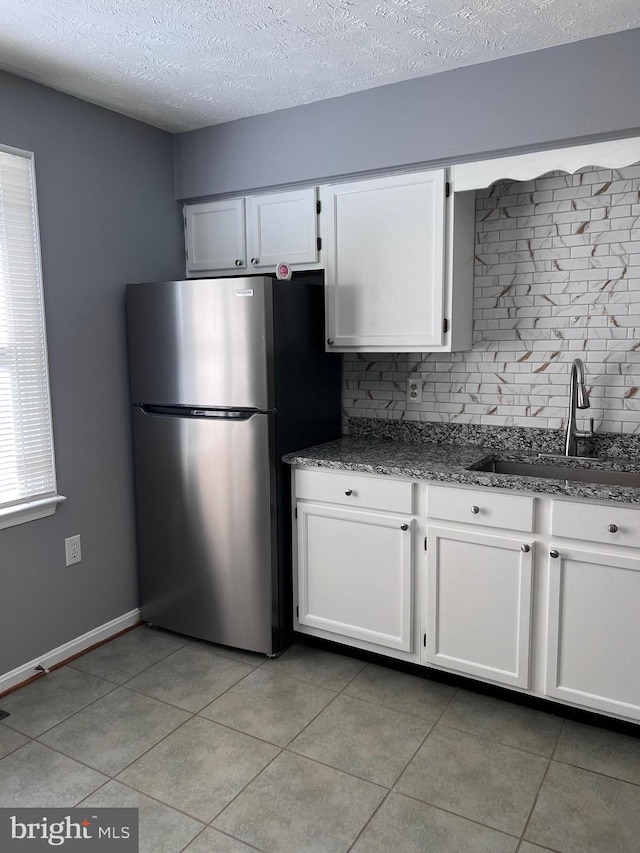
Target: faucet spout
column 578, row 399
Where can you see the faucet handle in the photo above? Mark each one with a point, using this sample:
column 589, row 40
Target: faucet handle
column 587, row 433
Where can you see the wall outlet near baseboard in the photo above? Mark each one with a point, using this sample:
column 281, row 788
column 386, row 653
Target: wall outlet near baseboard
column 73, row 550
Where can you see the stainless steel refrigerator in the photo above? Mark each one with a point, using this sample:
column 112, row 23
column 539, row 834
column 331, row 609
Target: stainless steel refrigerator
column 227, row 375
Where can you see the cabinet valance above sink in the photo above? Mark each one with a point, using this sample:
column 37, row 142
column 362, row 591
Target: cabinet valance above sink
column 614, row 154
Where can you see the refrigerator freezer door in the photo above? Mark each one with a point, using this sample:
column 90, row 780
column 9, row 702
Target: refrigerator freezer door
column 205, row 497
column 204, row 342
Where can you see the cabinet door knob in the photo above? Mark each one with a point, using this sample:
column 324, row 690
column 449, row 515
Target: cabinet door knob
column 238, row 263
column 404, row 527
column 475, row 509
column 525, row 548
column 255, row 261
column 554, row 554
column 612, row 528
column 330, row 341
column 348, row 492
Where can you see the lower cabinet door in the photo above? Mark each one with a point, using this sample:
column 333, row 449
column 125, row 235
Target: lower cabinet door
column 479, row 604
column 593, row 641
column 355, row 574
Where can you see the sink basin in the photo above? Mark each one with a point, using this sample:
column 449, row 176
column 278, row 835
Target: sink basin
column 561, row 472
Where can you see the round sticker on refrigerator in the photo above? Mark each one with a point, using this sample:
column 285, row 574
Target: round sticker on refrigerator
column 283, row 271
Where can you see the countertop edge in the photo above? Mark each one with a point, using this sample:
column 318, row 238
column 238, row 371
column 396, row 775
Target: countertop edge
column 462, row 475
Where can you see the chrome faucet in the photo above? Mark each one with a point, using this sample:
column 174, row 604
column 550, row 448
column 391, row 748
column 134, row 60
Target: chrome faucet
column 578, row 399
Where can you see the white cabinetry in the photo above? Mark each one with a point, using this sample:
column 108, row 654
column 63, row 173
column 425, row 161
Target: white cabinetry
column 215, row 236
column 390, row 265
column 253, row 233
column 479, row 586
column 536, row 593
column 593, row 638
column 354, row 564
column 282, row 227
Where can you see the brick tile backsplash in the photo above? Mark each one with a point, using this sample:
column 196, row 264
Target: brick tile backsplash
column 557, row 275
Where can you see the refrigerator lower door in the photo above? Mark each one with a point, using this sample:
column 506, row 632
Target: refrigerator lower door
column 205, row 496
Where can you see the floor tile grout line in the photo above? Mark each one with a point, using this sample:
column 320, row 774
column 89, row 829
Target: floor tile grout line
column 388, row 707
column 226, row 834
column 188, row 710
column 596, row 772
column 354, row 775
column 242, row 790
column 64, row 755
column 349, row 773
column 371, row 817
column 104, row 696
column 154, row 799
column 16, row 748
column 392, row 787
column 109, row 776
column 425, row 738
column 542, row 781
column 128, row 633
column 456, row 814
column 72, row 714
column 495, row 740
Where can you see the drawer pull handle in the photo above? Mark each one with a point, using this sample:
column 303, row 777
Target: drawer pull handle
column 554, row 554
column 612, row 528
column 525, row 548
column 475, row 509
column 330, row 341
column 404, row 527
column 348, row 492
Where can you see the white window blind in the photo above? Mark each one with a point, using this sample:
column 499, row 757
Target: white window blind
column 27, row 470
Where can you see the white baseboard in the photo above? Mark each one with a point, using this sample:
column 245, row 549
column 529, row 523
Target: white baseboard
column 68, row 650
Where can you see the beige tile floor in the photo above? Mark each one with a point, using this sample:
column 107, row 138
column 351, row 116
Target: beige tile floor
column 227, row 752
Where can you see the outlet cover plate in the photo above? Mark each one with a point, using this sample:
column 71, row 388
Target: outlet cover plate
column 72, row 550
column 414, row 389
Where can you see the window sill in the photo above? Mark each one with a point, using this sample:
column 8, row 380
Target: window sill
column 29, row 511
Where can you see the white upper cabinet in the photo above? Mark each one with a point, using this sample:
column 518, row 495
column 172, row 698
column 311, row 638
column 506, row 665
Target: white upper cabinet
column 282, row 227
column 215, row 235
column 256, row 232
column 386, row 265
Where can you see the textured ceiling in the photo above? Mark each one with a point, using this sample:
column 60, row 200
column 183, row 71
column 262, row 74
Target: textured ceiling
column 183, row 64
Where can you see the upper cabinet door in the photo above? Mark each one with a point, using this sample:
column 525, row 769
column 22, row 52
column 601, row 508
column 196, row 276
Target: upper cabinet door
column 282, row 227
column 385, row 252
column 215, row 235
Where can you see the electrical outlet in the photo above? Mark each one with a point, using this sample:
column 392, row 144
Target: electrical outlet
column 72, row 549
column 414, row 389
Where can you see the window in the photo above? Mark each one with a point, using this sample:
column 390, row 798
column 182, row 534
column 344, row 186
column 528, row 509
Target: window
column 27, row 469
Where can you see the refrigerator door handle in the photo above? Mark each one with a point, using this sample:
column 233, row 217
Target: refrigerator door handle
column 187, row 412
column 212, row 413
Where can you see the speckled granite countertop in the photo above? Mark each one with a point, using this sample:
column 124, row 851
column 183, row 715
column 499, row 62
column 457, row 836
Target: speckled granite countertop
column 458, row 464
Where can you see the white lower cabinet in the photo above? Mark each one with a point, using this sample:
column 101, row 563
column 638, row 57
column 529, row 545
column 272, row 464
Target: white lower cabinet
column 593, row 641
column 536, row 593
column 354, row 574
column 479, row 592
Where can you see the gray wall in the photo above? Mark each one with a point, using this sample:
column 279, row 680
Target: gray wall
column 107, row 216
column 589, row 88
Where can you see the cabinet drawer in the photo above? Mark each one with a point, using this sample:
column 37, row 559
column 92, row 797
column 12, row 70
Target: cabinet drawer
column 484, row 507
column 354, row 490
column 610, row 524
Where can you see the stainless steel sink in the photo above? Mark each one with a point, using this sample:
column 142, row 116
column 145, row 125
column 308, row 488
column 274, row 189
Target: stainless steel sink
column 561, row 472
